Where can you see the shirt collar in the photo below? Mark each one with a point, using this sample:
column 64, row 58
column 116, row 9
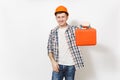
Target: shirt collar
column 68, row 26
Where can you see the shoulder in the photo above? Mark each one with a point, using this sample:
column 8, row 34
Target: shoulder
column 72, row 27
column 53, row 30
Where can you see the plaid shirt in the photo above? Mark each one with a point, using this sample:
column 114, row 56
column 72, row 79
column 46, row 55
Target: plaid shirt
column 53, row 45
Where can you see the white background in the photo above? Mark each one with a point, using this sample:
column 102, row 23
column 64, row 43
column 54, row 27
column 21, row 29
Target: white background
column 26, row 24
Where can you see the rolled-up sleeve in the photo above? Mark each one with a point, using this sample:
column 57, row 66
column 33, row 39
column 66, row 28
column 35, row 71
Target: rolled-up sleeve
column 49, row 45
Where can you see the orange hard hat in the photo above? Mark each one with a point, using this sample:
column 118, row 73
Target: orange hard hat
column 61, row 8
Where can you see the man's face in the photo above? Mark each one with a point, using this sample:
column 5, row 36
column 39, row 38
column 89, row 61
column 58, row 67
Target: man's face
column 61, row 19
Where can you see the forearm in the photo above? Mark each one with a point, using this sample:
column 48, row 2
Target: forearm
column 51, row 57
column 55, row 65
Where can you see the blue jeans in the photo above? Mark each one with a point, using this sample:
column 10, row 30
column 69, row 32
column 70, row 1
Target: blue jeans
column 64, row 71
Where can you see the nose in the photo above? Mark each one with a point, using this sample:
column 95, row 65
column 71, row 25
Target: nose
column 61, row 19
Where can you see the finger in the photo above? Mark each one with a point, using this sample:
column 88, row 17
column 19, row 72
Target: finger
column 58, row 66
column 56, row 69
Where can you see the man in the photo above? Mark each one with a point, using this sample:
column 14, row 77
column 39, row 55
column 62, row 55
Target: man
column 64, row 55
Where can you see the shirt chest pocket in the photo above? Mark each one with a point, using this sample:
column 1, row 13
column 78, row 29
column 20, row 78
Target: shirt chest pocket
column 71, row 35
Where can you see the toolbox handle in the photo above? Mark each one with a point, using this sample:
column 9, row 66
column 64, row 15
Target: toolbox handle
column 85, row 27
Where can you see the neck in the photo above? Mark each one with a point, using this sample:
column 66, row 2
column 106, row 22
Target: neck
column 63, row 26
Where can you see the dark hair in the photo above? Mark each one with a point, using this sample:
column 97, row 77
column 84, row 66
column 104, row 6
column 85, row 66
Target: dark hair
column 61, row 12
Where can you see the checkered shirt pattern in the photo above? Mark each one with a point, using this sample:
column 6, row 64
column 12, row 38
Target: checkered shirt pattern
column 53, row 45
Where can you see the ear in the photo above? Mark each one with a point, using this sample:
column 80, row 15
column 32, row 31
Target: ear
column 67, row 17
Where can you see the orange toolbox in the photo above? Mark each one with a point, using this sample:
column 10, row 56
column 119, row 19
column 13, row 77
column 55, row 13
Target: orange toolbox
column 85, row 36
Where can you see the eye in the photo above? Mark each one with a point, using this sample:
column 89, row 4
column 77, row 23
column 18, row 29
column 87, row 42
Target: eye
column 58, row 16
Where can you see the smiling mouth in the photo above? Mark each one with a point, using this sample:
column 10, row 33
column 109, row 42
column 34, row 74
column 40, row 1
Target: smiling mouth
column 61, row 21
